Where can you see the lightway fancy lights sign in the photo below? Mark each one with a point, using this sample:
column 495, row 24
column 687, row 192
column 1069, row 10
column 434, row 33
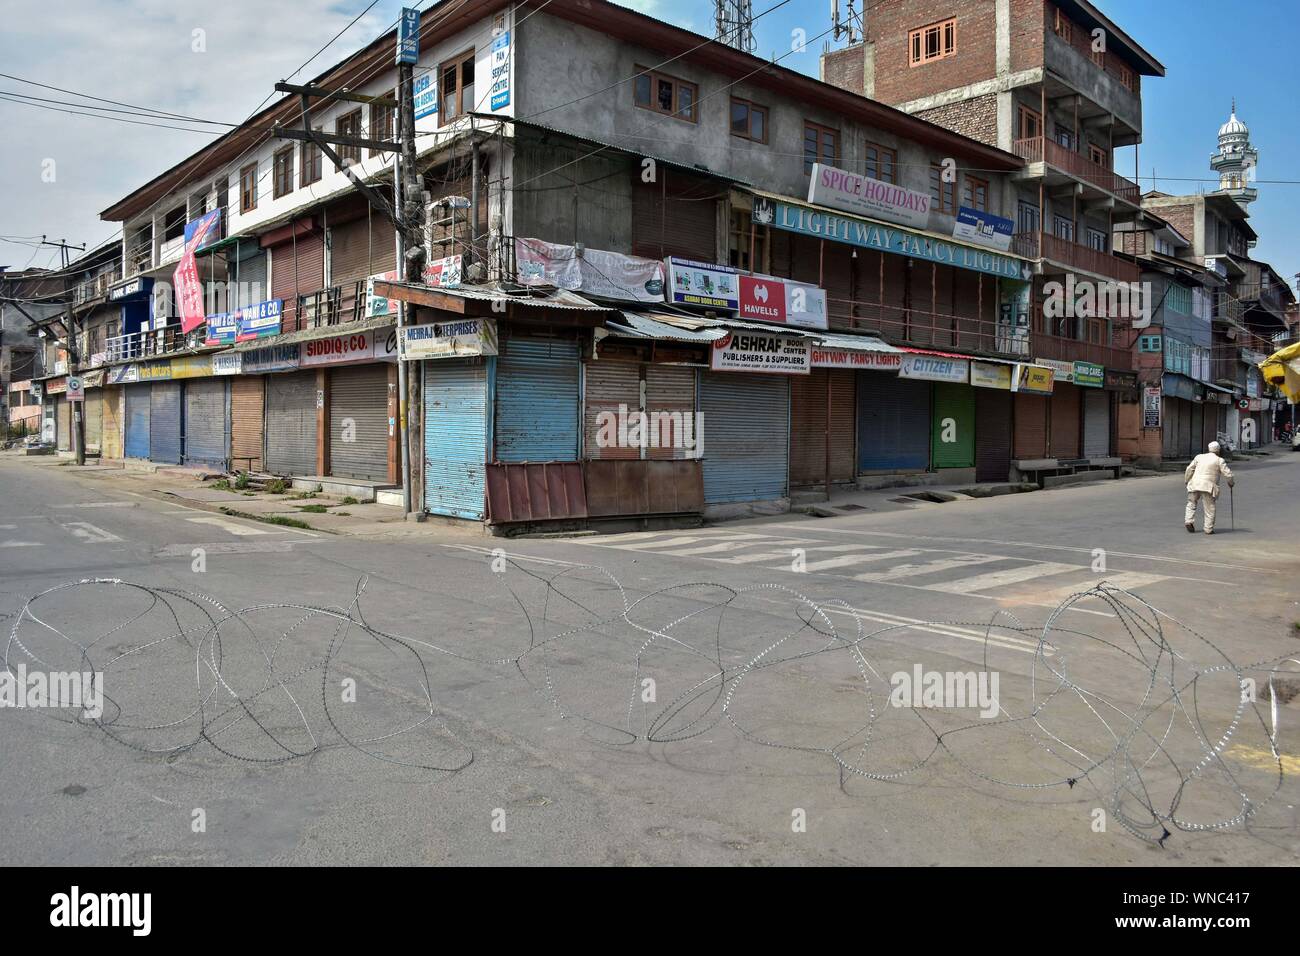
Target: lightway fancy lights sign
column 760, row 352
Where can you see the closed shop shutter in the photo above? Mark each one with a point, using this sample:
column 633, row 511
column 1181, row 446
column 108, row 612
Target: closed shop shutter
column 94, row 411
column 953, row 426
column 1030, row 436
column 137, row 420
column 893, row 423
column 610, row 390
column 676, row 216
column 1212, row 427
column 111, row 442
column 359, row 422
column 992, row 434
column 247, row 407
column 747, row 433
column 537, row 401
column 455, row 437
column 808, row 401
column 1065, row 422
column 207, row 423
column 297, row 268
column 1096, row 423
column 63, row 415
column 165, row 423
column 291, row 423
column 360, row 249
column 1194, row 428
column 249, row 278
column 671, row 390
column 1171, row 426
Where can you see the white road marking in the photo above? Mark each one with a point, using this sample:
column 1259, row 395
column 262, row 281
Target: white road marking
column 649, row 545
column 20, row 544
column 761, row 556
column 1129, row 581
column 729, row 546
column 926, row 567
column 996, row 638
column 229, row 525
column 89, row 533
column 859, row 558
column 994, row 579
column 225, row 547
column 99, row 504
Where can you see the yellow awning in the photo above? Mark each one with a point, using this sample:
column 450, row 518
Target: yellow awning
column 1282, row 369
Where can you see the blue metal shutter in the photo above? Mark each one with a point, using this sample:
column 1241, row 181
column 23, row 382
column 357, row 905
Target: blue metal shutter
column 537, row 401
column 165, row 423
column 893, row 423
column 137, row 421
column 455, row 437
column 207, row 423
column 746, row 429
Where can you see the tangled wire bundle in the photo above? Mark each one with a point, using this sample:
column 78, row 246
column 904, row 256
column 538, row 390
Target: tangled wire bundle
column 180, row 670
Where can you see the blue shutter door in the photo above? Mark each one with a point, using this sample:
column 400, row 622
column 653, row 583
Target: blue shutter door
column 207, row 423
column 746, row 429
column 537, row 401
column 165, row 423
column 455, row 437
column 893, row 423
column 137, row 420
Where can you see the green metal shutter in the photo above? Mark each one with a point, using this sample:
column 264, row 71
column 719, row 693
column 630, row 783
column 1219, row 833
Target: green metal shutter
column 953, row 439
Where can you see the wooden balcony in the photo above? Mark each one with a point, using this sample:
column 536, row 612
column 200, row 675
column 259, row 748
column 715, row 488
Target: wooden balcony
column 903, row 326
column 1044, row 245
column 1072, row 350
column 1039, row 149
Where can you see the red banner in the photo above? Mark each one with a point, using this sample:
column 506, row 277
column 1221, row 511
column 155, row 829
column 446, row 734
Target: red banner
column 189, row 290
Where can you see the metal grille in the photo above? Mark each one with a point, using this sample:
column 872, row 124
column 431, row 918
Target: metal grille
column 138, row 400
column 165, row 423
column 893, row 423
column 992, row 434
column 1064, row 436
column 1030, row 441
column 954, row 426
column 207, row 429
column 537, row 401
column 1096, row 423
column 111, row 442
column 809, row 397
column 247, row 407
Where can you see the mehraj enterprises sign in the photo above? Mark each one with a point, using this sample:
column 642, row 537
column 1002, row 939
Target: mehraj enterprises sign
column 866, row 234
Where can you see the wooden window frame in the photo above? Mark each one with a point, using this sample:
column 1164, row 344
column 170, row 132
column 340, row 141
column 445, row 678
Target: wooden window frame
column 1089, row 233
column 751, row 106
column 941, row 191
column 819, row 157
column 457, row 62
column 382, row 132
column 1020, row 122
column 968, row 193
column 311, row 163
column 1125, row 73
column 248, row 188
column 655, row 78
column 282, row 172
column 1063, row 27
column 917, row 46
column 878, row 160
column 1097, row 156
column 349, row 124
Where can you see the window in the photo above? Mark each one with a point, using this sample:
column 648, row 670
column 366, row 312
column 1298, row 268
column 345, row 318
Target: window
column 381, row 125
column 1098, row 57
column 1098, row 156
column 1179, row 299
column 821, row 144
column 1062, row 27
column 748, row 120
column 745, row 234
column 1097, row 240
column 976, row 194
column 310, row 160
column 1125, row 75
column 1065, row 136
column 1063, row 228
column 248, row 188
column 1149, row 343
column 933, row 42
column 668, row 95
column 349, row 124
column 1027, row 218
column 282, row 173
column 1031, row 123
column 456, row 87
column 882, row 163
column 943, row 194
column 174, row 223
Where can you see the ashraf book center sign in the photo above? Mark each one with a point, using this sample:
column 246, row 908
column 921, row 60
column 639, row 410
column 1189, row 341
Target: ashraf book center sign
column 760, row 352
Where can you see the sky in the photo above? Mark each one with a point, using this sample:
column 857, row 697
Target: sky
column 219, row 61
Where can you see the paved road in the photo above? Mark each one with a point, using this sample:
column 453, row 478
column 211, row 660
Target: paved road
column 537, row 672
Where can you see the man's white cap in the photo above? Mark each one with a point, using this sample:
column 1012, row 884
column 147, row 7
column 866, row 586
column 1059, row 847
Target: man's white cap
column 1214, row 447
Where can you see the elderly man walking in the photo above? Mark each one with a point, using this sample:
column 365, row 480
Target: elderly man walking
column 1202, row 478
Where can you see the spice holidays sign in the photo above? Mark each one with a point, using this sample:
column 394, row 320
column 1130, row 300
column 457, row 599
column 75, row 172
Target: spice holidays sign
column 782, row 300
column 447, row 339
column 750, row 351
column 841, row 189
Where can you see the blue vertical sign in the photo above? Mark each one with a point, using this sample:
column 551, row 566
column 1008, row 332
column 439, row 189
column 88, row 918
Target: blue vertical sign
column 408, row 36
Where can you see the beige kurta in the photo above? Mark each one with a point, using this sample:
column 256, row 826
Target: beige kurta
column 1204, row 472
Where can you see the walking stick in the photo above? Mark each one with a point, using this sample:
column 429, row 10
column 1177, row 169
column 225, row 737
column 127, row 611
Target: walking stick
column 1232, row 508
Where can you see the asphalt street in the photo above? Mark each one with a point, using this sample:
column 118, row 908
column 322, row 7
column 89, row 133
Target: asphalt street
column 758, row 656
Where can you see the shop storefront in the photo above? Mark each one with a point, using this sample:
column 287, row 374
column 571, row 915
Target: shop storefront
column 993, row 419
column 138, row 402
column 538, row 400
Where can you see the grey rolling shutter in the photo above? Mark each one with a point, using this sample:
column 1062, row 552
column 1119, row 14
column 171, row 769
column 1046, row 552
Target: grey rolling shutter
column 249, row 278
column 137, row 421
column 455, row 437
column 610, row 389
column 1096, row 423
column 93, row 409
column 359, row 422
column 746, row 436
column 291, row 423
column 893, row 423
column 992, row 434
column 537, row 400
column 207, row 423
column 63, row 414
column 165, row 423
column 670, row 390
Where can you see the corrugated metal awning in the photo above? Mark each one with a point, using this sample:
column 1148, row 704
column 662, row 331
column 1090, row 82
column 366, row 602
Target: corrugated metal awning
column 635, row 325
column 855, row 343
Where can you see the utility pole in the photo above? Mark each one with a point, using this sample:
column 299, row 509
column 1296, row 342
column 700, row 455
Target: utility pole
column 63, row 247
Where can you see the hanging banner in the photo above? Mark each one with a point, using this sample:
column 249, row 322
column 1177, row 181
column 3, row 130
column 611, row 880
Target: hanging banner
column 610, row 275
column 447, row 339
column 702, row 283
column 990, row 375
column 189, row 290
column 841, row 189
column 750, row 351
column 782, row 300
column 443, row 273
column 1151, row 399
column 934, row 368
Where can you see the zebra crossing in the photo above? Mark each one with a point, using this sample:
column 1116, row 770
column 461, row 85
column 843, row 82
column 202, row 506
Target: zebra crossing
column 999, row 577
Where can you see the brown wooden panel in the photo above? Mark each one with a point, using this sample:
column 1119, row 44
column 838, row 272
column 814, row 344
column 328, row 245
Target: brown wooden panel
column 644, row 487
column 1030, row 440
column 535, row 491
column 1066, row 412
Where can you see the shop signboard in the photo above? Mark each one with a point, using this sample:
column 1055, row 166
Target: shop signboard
column 259, row 320
column 223, row 329
column 841, row 189
column 753, row 351
column 227, row 363
column 444, row 273
column 192, row 366
column 1064, row 371
column 76, row 388
column 702, row 283
column 847, row 358
column 1032, row 378
column 123, row 374
column 766, row 299
column 462, row 337
column 990, row 375
column 983, row 228
column 271, row 358
column 1089, row 374
column 1151, row 405
column 344, row 349
column 156, row 372
column 935, row 368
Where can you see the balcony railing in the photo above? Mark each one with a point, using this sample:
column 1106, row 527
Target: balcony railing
column 137, row 345
column 1227, row 308
column 1073, row 350
column 1038, row 149
column 929, row 329
column 1044, row 245
column 320, row 308
column 92, row 288
column 170, row 250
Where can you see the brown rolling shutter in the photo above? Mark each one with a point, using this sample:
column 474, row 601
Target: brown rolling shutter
column 93, row 409
column 297, row 268
column 247, row 396
column 992, row 434
column 63, row 416
column 675, row 216
column 671, row 389
column 359, row 249
column 111, row 446
column 808, row 426
column 607, row 387
column 1030, row 439
column 359, row 422
column 1065, row 422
